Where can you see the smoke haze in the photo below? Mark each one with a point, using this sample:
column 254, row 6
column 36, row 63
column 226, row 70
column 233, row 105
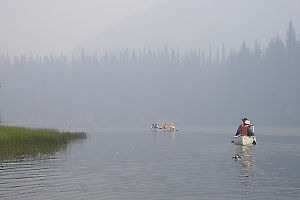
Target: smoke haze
column 188, row 62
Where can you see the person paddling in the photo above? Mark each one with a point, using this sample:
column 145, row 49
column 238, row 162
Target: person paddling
column 245, row 128
column 172, row 127
column 165, row 126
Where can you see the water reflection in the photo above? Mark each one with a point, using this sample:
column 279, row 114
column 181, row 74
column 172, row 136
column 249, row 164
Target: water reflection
column 245, row 156
column 151, row 165
column 154, row 136
column 168, row 137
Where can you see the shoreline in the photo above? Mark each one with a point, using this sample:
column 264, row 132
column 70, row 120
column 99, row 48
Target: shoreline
column 21, row 142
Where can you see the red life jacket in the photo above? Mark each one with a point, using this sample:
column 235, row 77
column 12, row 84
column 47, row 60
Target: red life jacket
column 244, row 129
column 166, row 126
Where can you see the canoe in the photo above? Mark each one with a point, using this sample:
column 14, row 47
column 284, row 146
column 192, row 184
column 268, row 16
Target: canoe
column 244, row 140
column 169, row 130
column 165, row 130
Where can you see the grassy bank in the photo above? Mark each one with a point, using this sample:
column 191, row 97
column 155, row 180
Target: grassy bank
column 19, row 142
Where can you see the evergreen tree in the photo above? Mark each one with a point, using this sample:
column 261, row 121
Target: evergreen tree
column 217, row 57
column 223, row 54
column 257, row 51
column 274, row 53
column 244, row 55
column 291, row 40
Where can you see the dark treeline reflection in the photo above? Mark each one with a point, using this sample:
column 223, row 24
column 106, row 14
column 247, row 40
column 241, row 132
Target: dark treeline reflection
column 138, row 87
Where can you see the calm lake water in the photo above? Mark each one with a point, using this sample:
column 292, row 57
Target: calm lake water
column 191, row 164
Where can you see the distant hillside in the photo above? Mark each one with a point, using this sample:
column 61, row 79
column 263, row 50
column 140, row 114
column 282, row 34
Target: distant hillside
column 185, row 24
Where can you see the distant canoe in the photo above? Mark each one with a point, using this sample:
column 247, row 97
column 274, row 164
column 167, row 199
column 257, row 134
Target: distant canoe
column 165, row 130
column 244, row 140
column 169, row 130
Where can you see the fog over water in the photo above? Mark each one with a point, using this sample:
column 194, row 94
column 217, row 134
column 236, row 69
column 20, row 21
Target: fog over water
column 135, row 63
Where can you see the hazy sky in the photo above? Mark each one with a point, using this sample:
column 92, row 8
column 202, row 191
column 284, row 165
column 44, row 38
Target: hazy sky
column 55, row 26
column 205, row 24
column 44, row 26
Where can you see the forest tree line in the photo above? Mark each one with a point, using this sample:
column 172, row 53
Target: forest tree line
column 139, row 87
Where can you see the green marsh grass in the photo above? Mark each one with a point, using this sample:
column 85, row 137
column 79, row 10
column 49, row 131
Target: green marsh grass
column 22, row 143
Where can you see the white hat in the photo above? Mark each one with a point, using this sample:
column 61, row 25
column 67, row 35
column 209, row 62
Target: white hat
column 247, row 122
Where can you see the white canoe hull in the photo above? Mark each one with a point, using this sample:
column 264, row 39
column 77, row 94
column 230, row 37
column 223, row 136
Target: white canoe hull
column 244, row 140
column 169, row 130
column 165, row 130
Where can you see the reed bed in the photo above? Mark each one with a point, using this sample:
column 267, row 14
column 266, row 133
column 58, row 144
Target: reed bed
column 20, row 142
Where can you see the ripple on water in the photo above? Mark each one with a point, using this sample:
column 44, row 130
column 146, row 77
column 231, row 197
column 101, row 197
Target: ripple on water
column 188, row 166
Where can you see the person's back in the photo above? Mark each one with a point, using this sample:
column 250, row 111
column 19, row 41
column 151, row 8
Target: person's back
column 165, row 126
column 245, row 128
column 238, row 132
column 250, row 130
column 172, row 127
